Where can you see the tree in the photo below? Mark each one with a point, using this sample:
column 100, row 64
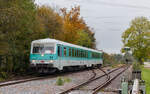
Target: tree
column 18, row 27
column 51, row 22
column 137, row 37
column 84, row 39
column 108, row 59
column 74, row 28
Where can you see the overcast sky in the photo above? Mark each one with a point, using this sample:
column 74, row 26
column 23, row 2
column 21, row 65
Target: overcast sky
column 108, row 18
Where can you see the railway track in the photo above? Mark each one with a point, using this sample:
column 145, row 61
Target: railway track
column 12, row 82
column 109, row 80
column 94, row 78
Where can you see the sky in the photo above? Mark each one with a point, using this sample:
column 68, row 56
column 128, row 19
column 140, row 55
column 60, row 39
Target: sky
column 108, row 18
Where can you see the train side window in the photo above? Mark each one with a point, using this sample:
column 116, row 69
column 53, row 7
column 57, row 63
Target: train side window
column 65, row 51
column 59, row 51
column 81, row 53
column 77, row 53
column 86, row 54
column 92, row 55
column 72, row 52
column 69, row 51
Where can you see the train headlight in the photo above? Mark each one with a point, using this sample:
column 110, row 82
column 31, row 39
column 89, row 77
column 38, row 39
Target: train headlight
column 42, row 54
column 51, row 61
column 33, row 61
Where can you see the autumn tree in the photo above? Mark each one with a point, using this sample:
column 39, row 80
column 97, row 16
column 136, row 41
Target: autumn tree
column 137, row 37
column 51, row 21
column 75, row 29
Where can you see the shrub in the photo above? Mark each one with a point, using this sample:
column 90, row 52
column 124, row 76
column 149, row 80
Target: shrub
column 67, row 80
column 136, row 66
column 3, row 75
column 59, row 81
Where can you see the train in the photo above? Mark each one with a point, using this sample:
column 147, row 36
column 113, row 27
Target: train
column 51, row 55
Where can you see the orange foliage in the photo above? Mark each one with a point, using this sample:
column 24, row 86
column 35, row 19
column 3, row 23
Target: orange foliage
column 73, row 23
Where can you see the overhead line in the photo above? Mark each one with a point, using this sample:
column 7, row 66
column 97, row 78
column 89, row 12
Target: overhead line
column 123, row 5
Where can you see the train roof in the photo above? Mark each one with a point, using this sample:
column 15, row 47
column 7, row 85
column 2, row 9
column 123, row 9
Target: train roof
column 48, row 40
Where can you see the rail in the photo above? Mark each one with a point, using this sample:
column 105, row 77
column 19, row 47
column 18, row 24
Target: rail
column 90, row 80
column 135, row 89
column 96, row 90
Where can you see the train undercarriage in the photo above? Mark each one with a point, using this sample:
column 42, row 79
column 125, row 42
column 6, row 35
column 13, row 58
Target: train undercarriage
column 48, row 69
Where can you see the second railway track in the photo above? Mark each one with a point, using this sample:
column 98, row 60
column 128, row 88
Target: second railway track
column 96, row 88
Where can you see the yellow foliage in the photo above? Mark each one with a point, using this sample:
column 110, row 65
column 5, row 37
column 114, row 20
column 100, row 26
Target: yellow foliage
column 73, row 24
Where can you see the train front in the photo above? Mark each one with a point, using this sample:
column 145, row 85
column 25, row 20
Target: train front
column 43, row 56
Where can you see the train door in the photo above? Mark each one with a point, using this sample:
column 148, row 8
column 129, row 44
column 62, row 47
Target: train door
column 60, row 56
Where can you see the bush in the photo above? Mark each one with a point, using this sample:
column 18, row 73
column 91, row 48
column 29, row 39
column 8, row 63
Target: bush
column 59, row 81
column 3, row 75
column 136, row 66
column 67, row 80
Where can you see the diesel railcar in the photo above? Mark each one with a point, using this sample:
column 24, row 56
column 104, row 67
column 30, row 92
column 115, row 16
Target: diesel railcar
column 49, row 55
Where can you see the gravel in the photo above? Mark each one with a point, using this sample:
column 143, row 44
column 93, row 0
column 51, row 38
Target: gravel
column 47, row 86
column 116, row 84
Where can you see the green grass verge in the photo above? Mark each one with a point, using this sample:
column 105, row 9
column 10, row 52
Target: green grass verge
column 146, row 77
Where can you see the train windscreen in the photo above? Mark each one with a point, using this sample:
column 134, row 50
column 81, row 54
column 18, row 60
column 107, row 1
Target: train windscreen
column 43, row 48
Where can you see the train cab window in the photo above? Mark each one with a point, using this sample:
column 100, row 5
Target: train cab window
column 36, row 50
column 65, row 51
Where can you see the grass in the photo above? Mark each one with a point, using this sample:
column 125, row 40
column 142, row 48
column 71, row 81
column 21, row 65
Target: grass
column 146, row 77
